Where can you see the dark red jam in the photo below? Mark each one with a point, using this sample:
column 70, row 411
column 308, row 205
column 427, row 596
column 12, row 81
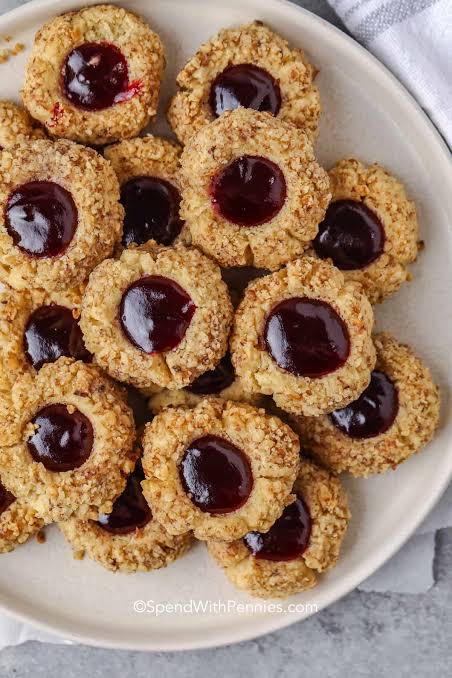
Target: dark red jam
column 249, row 191
column 130, row 510
column 244, row 85
column 52, row 332
column 237, row 278
column 287, row 539
column 6, row 498
column 152, row 211
column 155, row 313
column 306, row 337
column 373, row 412
column 95, row 76
column 351, row 235
column 216, row 475
column 41, row 218
column 63, row 440
column 215, row 380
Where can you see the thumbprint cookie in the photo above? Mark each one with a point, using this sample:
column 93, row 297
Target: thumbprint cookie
column 69, row 448
column 18, row 521
column 252, row 67
column 94, row 75
column 148, row 172
column 16, row 125
column 38, row 327
column 303, row 335
column 156, row 316
column 252, row 191
column 370, row 229
column 60, row 214
column 219, row 470
column 221, row 382
column 302, row 543
column 128, row 539
column 394, row 417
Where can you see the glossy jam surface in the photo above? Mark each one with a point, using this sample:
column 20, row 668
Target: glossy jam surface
column 6, row 498
column 41, row 218
column 306, row 337
column 216, row 475
column 249, row 191
column 351, row 235
column 95, row 76
column 215, row 380
column 130, row 510
column 155, row 313
column 244, row 85
column 152, row 211
column 62, row 440
column 52, row 332
column 287, row 539
column 373, row 412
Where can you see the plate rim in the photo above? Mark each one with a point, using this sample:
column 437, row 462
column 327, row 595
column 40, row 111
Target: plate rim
column 389, row 548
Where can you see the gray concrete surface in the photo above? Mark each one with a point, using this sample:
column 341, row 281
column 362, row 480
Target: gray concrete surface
column 362, row 636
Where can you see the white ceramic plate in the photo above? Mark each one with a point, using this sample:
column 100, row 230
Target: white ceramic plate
column 369, row 114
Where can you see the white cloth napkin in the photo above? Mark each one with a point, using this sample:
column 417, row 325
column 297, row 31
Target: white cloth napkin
column 414, row 39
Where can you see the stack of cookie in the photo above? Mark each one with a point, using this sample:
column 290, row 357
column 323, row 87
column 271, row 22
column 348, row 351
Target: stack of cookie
column 186, row 345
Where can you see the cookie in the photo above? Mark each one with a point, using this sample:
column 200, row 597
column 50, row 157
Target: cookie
column 250, row 66
column 252, row 191
column 69, row 445
column 221, row 382
column 18, row 521
column 38, row 327
column 148, row 172
column 370, row 229
column 70, row 198
column 219, row 470
column 391, row 420
column 16, row 125
column 302, row 543
column 94, row 75
column 128, row 539
column 158, row 315
column 303, row 335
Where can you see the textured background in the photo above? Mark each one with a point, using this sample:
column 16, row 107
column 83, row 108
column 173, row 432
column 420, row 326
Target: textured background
column 365, row 634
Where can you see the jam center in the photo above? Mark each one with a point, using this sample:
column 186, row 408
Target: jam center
column 244, row 85
column 52, row 332
column 152, row 211
column 287, row 539
column 215, row 380
column 6, row 498
column 249, row 191
column 95, row 76
column 62, row 440
column 373, row 412
column 216, row 475
column 41, row 218
column 130, row 510
column 351, row 235
column 306, row 337
column 155, row 313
